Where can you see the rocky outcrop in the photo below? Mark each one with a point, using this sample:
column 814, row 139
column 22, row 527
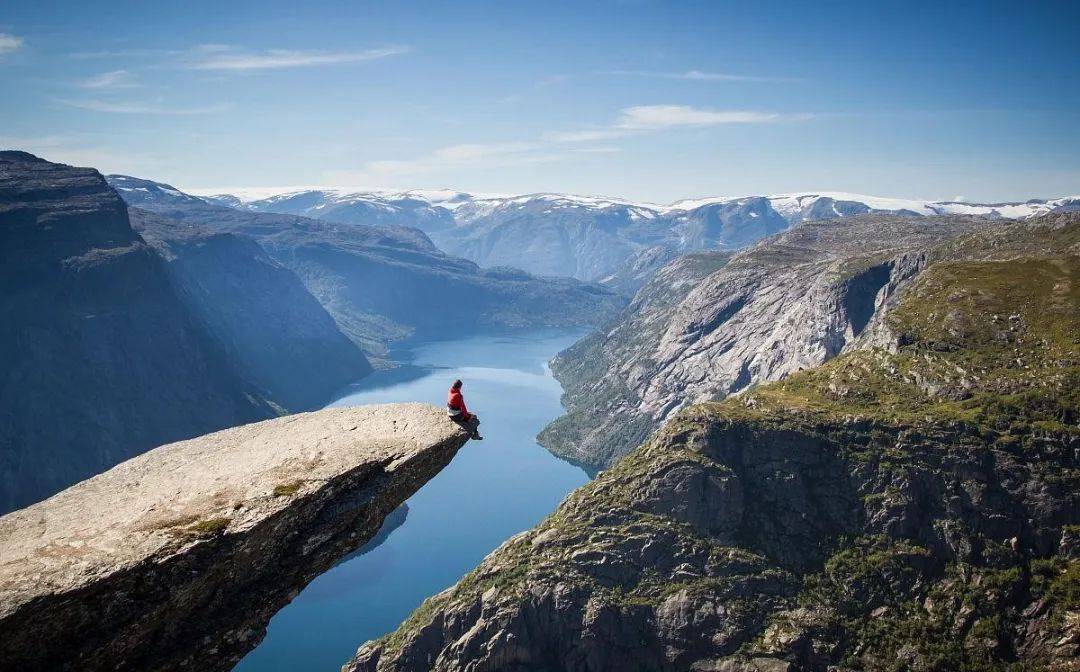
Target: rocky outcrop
column 914, row 506
column 178, row 558
column 701, row 329
column 260, row 314
column 382, row 283
column 101, row 360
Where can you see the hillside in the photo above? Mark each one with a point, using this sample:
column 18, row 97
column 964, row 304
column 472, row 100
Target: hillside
column 712, row 324
column 384, row 283
column 101, row 358
column 259, row 313
column 909, row 505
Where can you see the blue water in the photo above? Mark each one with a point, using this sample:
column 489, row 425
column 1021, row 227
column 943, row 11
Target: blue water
column 492, row 490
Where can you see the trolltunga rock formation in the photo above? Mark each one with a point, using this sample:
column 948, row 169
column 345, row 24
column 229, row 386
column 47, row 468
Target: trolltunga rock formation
column 178, row 558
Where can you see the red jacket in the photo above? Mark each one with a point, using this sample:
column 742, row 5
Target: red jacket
column 456, row 401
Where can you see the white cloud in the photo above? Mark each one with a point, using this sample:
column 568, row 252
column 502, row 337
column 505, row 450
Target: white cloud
column 9, row 43
column 142, row 108
column 474, row 154
column 656, row 117
column 699, row 76
column 560, row 145
column 585, row 136
column 597, row 150
column 121, row 53
column 115, row 79
column 221, row 57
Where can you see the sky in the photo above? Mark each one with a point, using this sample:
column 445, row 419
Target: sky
column 654, row 101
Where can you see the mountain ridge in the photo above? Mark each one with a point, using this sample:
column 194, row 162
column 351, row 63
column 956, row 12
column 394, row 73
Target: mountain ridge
column 593, row 238
column 387, row 281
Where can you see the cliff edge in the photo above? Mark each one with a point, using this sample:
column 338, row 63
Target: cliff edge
column 177, row 559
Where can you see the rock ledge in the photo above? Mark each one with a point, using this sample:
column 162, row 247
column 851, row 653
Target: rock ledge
column 178, row 558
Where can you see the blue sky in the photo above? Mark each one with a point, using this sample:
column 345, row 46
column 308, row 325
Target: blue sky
column 648, row 100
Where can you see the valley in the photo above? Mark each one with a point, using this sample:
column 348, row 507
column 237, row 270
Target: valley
column 491, row 491
column 910, row 504
column 608, row 336
column 829, row 439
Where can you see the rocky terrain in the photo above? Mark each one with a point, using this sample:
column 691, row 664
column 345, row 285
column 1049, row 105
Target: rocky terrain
column 910, row 505
column 594, row 238
column 192, row 547
column 101, row 358
column 382, row 283
column 259, row 312
column 712, row 324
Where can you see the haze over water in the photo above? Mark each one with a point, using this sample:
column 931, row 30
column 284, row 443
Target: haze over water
column 492, row 490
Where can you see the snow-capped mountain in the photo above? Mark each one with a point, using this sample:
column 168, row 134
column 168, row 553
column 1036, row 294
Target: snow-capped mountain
column 590, row 237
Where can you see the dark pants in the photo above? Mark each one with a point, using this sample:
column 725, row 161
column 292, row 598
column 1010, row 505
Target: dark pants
column 472, row 425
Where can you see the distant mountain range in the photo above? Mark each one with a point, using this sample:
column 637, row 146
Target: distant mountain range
column 591, row 238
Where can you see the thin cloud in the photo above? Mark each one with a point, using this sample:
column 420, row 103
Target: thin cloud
column 122, row 53
column 9, row 43
column 142, row 108
column 699, row 76
column 560, row 145
column 586, row 136
column 489, row 155
column 539, row 85
column 114, row 79
column 597, row 150
column 657, row 117
column 224, row 59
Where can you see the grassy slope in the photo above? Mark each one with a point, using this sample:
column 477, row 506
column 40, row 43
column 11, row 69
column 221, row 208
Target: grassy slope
column 987, row 354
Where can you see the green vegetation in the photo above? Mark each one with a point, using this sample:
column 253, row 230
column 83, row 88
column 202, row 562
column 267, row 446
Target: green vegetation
column 203, row 529
column 986, row 358
column 1057, row 580
column 288, row 489
column 992, row 346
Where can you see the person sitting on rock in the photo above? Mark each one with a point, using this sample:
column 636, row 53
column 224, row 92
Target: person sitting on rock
column 459, row 413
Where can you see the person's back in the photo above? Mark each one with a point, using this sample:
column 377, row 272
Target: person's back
column 457, row 411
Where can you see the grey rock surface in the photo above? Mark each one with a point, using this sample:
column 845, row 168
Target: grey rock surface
column 261, row 315
column 177, row 559
column 711, row 324
column 100, row 358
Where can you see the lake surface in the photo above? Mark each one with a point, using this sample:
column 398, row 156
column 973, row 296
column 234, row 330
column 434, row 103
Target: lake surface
column 492, row 490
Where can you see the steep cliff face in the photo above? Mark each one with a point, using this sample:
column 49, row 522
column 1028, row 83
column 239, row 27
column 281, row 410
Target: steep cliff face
column 100, row 359
column 261, row 315
column 915, row 506
column 698, row 332
column 178, row 558
column 382, row 283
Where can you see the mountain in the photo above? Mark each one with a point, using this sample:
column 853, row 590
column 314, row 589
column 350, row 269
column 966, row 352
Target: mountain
column 912, row 504
column 590, row 238
column 259, row 313
column 101, row 360
column 382, row 283
column 713, row 324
